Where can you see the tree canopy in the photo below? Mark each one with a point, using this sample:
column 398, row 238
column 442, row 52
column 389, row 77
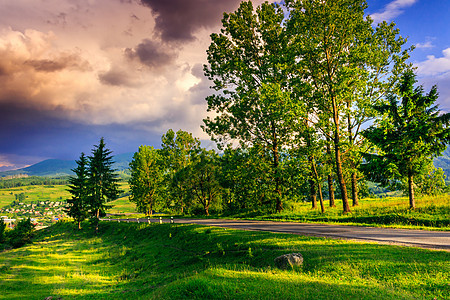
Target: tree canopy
column 409, row 133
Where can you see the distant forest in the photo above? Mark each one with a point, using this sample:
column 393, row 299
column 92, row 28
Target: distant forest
column 32, row 180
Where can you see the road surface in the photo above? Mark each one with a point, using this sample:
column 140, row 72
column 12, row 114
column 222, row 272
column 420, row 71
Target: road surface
column 439, row 240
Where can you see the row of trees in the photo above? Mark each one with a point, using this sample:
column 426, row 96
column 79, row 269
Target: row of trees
column 94, row 184
column 31, row 180
column 303, row 78
column 294, row 88
column 180, row 176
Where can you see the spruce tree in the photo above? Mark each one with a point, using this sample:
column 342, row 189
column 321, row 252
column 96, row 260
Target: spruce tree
column 102, row 182
column 410, row 133
column 77, row 208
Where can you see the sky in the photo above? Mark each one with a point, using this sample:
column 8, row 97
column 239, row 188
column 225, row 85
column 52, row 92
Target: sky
column 73, row 71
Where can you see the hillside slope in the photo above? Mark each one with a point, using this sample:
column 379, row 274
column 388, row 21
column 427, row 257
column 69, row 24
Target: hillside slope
column 58, row 167
column 174, row 261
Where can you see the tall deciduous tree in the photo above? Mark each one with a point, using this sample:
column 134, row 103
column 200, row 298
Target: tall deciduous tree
column 103, row 180
column 249, row 63
column 411, row 132
column 78, row 188
column 244, row 176
column 202, row 177
column 176, row 151
column 348, row 65
column 146, row 179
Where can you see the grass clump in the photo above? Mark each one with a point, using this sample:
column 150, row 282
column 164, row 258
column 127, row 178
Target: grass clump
column 174, row 261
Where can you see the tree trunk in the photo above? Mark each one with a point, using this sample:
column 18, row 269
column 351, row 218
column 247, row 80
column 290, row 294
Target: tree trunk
column 331, row 191
column 337, row 153
column 97, row 214
column 412, row 201
column 312, row 183
column 322, row 207
column 355, row 189
column 351, row 140
column 313, row 193
column 330, row 177
column 279, row 205
column 79, row 225
column 319, row 185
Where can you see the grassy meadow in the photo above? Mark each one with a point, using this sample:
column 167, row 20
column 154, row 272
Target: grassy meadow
column 34, row 193
column 431, row 213
column 171, row 261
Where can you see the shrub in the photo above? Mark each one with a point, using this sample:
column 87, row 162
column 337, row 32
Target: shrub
column 21, row 234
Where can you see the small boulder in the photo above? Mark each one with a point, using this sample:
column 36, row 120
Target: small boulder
column 288, row 261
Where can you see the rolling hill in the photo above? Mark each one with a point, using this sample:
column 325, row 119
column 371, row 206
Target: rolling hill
column 58, row 167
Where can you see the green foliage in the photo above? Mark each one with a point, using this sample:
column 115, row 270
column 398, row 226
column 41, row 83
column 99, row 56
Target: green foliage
column 31, row 180
column 409, row 134
column 102, row 180
column 245, row 178
column 348, row 65
column 20, row 197
column 79, row 189
column 249, row 63
column 201, row 177
column 431, row 182
column 146, row 179
column 22, row 234
column 176, row 152
column 2, row 230
column 248, row 185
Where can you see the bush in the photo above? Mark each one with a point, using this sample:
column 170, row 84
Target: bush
column 2, row 230
column 21, row 234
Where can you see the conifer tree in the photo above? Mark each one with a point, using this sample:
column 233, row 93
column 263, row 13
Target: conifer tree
column 77, row 208
column 411, row 132
column 102, row 181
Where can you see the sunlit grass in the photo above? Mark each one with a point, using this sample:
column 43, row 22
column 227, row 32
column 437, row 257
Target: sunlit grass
column 430, row 213
column 141, row 261
column 122, row 205
column 34, row 193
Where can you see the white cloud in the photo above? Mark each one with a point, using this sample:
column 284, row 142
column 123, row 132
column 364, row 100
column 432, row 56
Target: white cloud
column 392, row 10
column 426, row 45
column 435, row 65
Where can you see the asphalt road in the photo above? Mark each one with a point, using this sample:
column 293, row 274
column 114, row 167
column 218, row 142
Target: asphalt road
column 439, row 240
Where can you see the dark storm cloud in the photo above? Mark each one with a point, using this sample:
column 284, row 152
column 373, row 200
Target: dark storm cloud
column 29, row 136
column 177, row 20
column 150, row 53
column 61, row 63
column 116, row 78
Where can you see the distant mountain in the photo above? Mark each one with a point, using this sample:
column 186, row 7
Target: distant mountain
column 58, row 167
column 443, row 162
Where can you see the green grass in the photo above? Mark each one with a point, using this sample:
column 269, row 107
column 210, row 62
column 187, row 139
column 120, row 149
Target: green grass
column 141, row 261
column 432, row 213
column 122, row 205
column 34, row 193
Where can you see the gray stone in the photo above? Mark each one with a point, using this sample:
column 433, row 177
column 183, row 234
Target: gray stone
column 288, row 261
